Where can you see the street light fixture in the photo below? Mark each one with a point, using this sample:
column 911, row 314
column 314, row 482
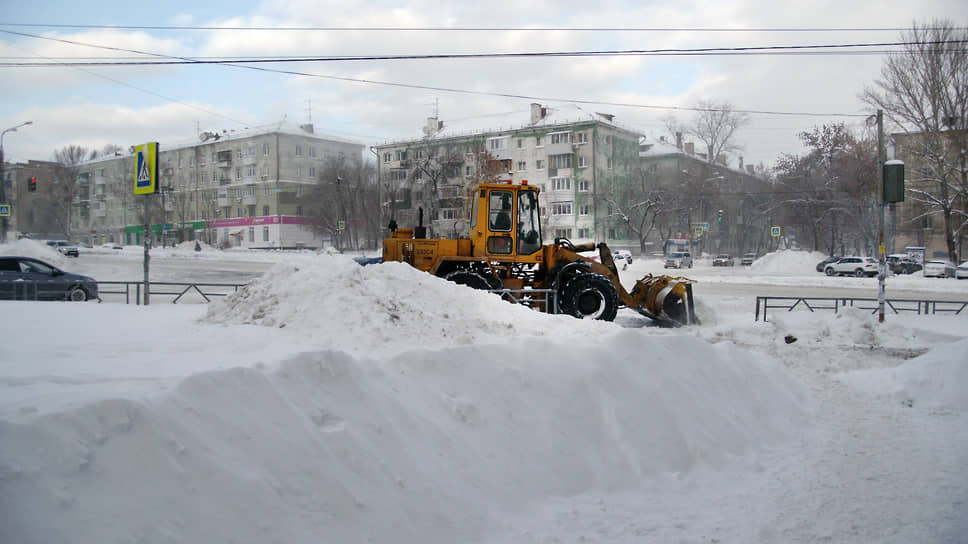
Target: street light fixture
column 3, row 183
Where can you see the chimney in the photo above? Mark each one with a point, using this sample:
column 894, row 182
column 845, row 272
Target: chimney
column 679, row 141
column 690, row 148
column 741, row 162
column 308, row 128
column 538, row 112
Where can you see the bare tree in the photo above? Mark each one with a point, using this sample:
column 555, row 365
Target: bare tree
column 924, row 90
column 344, row 204
column 714, row 124
column 65, row 186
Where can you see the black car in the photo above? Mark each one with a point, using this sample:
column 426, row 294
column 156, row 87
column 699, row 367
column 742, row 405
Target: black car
column 823, row 264
column 26, row 278
column 902, row 264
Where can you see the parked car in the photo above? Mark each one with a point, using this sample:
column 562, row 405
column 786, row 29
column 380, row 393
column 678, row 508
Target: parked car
column 65, row 247
column 854, row 266
column 939, row 268
column 823, row 264
column 962, row 271
column 679, row 259
column 747, row 259
column 26, row 278
column 902, row 264
column 723, row 259
column 622, row 255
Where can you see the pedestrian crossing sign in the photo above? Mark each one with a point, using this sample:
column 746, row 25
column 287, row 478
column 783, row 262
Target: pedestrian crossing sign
column 774, row 231
column 146, row 168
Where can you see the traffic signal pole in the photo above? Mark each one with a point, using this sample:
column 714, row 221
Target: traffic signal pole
column 882, row 258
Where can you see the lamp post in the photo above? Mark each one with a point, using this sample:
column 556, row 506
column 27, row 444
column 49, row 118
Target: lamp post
column 3, row 182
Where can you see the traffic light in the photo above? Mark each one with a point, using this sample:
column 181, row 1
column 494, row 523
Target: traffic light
column 32, row 185
column 719, row 216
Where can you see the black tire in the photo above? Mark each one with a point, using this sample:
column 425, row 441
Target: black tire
column 829, row 271
column 589, row 296
column 858, row 273
column 468, row 278
column 76, row 294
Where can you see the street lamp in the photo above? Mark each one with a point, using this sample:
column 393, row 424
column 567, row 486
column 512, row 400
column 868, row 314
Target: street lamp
column 3, row 182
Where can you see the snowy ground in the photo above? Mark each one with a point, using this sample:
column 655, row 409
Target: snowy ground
column 336, row 403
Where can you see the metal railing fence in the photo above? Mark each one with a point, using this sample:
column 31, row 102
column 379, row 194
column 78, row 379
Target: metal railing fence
column 916, row 306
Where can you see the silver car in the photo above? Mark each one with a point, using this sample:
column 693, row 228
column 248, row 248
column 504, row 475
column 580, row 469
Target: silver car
column 962, row 271
column 939, row 268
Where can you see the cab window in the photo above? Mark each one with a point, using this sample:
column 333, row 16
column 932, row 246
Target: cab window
column 499, row 211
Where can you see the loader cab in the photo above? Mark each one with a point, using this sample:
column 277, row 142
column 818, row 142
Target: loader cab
column 506, row 222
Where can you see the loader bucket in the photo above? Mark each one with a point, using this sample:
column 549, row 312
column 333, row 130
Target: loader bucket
column 665, row 299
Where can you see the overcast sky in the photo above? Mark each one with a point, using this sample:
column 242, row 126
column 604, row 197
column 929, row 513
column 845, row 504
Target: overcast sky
column 127, row 105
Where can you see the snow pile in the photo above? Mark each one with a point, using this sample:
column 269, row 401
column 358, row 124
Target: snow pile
column 335, row 301
column 937, row 380
column 787, row 262
column 426, row 446
column 25, row 247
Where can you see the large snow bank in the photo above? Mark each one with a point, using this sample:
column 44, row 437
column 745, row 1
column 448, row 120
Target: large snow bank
column 389, row 306
column 426, row 446
column 786, row 262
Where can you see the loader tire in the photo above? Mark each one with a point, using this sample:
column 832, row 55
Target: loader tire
column 468, row 278
column 589, row 296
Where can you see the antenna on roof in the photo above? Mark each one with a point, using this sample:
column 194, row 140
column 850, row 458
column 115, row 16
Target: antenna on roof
column 279, row 127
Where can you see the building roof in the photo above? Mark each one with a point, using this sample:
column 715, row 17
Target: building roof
column 515, row 121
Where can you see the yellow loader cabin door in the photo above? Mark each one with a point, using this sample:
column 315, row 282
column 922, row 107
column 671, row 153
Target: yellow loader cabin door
column 513, row 226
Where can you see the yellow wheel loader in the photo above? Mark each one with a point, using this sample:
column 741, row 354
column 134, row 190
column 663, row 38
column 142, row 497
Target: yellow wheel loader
column 505, row 251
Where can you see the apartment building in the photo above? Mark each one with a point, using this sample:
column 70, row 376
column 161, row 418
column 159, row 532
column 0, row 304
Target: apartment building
column 230, row 189
column 578, row 158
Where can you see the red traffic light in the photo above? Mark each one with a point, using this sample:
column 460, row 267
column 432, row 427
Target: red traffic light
column 32, row 184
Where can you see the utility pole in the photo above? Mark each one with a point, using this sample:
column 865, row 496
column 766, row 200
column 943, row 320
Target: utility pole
column 882, row 257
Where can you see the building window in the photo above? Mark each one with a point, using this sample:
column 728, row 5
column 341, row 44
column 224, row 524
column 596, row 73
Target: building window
column 386, row 156
column 238, row 173
column 265, row 211
column 539, row 164
column 583, row 186
column 582, row 161
column 561, row 184
column 191, row 161
column 265, row 172
column 467, row 170
column 298, row 190
column 180, row 159
column 560, row 138
column 214, row 177
column 252, row 234
column 583, row 209
column 583, row 233
column 298, row 150
column 299, row 171
column 265, row 233
column 299, row 211
column 250, row 170
column 537, row 142
column 312, row 152
column 250, row 150
column 239, row 212
column 448, row 213
column 522, row 166
column 312, row 171
column 520, row 143
column 611, row 234
column 561, row 208
column 582, row 137
column 401, row 155
column 560, row 161
column 497, row 144
column 562, row 233
column 265, row 150
column 609, row 164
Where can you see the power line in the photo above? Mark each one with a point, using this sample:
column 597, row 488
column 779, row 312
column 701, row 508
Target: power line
column 462, row 29
column 175, row 60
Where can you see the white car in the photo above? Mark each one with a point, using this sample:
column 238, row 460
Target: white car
column 622, row 255
column 679, row 259
column 962, row 271
column 939, row 268
column 853, row 266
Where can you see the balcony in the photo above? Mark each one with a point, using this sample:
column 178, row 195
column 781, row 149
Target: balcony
column 224, row 201
column 249, row 200
column 224, row 181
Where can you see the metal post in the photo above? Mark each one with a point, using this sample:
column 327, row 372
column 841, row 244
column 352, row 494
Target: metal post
column 3, row 190
column 147, row 245
column 882, row 259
